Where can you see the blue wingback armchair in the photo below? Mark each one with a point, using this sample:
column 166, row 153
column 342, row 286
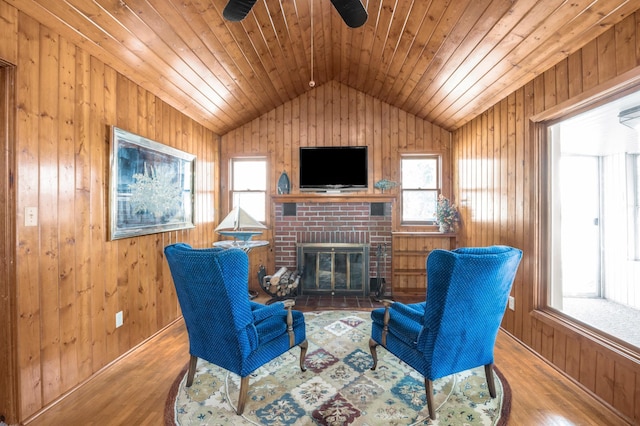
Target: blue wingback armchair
column 455, row 329
column 224, row 326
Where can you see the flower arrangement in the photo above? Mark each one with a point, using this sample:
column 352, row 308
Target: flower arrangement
column 446, row 214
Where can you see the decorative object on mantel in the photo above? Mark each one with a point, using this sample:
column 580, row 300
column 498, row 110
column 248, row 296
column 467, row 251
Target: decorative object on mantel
column 239, row 225
column 446, row 215
column 384, row 184
column 284, row 185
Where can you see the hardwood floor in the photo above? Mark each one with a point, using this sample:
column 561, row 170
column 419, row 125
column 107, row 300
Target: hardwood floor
column 133, row 390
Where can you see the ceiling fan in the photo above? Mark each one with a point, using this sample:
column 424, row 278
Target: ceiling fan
column 352, row 12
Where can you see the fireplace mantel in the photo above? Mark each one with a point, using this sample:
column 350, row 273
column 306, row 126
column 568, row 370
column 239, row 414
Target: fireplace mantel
column 319, row 197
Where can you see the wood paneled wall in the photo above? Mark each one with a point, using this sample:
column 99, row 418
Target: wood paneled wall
column 497, row 176
column 70, row 280
column 332, row 115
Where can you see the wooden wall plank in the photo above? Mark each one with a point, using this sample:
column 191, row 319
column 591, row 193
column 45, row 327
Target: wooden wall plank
column 82, row 253
column 111, row 259
column 27, row 264
column 52, row 351
column 607, row 55
column 590, row 63
column 127, row 246
column 624, row 385
column 625, row 45
column 140, row 287
column 66, row 221
column 526, row 292
column 97, row 220
column 574, row 71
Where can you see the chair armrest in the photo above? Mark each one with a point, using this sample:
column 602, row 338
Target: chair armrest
column 400, row 310
column 408, row 311
column 261, row 312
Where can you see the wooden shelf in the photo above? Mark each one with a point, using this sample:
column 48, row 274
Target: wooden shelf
column 409, row 255
column 333, row 198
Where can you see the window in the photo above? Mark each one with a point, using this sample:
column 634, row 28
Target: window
column 249, row 186
column 593, row 220
column 420, row 188
column 633, row 189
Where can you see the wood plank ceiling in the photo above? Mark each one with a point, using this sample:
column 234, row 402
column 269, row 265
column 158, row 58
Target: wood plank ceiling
column 444, row 61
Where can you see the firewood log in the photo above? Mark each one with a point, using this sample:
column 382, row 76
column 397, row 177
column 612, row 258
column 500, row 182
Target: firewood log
column 275, row 278
column 286, row 277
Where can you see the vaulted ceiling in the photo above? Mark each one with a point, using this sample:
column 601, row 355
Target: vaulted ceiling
column 445, row 61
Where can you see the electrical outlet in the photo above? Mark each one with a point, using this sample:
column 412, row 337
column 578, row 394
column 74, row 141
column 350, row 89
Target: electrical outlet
column 119, row 319
column 512, row 303
column 31, row 216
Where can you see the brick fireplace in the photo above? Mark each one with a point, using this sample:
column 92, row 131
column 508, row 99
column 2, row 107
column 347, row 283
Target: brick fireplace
column 335, row 223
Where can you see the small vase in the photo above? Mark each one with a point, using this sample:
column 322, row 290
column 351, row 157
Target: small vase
column 443, row 228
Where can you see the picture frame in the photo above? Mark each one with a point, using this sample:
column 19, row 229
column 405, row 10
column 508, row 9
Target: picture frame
column 151, row 186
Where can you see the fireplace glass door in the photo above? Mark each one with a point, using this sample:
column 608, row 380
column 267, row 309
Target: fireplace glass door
column 336, row 269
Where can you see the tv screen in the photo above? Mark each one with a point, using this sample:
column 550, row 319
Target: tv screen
column 333, row 168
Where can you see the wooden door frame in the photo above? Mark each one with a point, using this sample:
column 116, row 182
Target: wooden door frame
column 8, row 335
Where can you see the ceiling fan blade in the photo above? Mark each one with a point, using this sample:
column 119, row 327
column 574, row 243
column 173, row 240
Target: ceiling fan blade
column 352, row 12
column 237, row 10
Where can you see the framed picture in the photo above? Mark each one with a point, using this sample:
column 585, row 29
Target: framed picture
column 151, row 186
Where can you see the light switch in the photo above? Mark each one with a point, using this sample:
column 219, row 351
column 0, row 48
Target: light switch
column 31, row 216
column 119, row 319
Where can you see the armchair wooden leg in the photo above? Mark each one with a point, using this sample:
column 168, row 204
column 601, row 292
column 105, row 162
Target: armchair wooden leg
column 244, row 391
column 374, row 354
column 193, row 361
column 488, row 372
column 428, row 387
column 303, row 353
column 292, row 337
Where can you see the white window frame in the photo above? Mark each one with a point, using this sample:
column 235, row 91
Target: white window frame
column 436, row 189
column 254, row 189
column 633, row 197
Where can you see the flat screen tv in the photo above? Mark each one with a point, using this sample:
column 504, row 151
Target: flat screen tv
column 333, row 168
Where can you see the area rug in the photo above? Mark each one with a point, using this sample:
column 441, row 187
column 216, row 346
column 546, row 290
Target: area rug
column 338, row 387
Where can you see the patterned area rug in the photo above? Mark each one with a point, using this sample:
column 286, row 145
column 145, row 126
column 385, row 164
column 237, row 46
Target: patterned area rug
column 338, row 387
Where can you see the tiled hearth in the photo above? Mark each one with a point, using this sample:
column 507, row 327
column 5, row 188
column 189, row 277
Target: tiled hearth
column 333, row 222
